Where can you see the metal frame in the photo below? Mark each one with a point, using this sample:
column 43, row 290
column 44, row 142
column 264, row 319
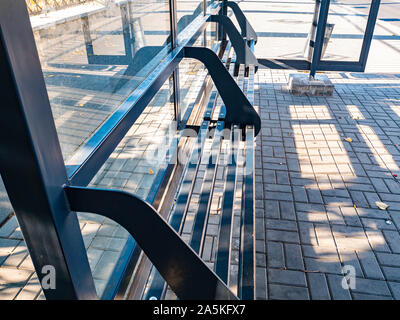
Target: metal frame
column 318, row 29
column 319, row 38
column 52, row 192
column 325, row 65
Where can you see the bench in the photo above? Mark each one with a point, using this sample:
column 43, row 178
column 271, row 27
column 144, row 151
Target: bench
column 213, row 209
column 52, row 194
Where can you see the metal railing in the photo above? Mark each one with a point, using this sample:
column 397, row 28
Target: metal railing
column 36, row 7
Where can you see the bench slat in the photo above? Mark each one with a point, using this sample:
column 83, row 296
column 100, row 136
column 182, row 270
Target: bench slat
column 246, row 288
column 201, row 217
column 222, row 256
column 222, row 259
column 247, row 251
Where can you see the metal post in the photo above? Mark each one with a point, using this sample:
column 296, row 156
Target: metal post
column 369, row 32
column 223, row 11
column 175, row 74
column 311, row 37
column 319, row 39
column 88, row 38
column 31, row 163
column 205, row 30
column 126, row 30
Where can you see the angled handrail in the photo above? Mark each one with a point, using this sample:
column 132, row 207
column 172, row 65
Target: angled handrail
column 246, row 28
column 238, row 108
column 180, row 266
column 244, row 55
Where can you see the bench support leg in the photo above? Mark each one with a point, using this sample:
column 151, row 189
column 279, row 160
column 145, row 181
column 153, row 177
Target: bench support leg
column 245, row 26
column 244, row 55
column 188, row 276
column 238, row 108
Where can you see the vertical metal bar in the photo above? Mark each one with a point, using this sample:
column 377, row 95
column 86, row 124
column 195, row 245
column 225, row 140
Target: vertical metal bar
column 175, row 74
column 223, row 11
column 173, row 23
column 369, row 32
column 311, row 43
column 246, row 288
column 126, row 31
column 88, row 38
column 31, row 162
column 319, row 39
column 205, row 30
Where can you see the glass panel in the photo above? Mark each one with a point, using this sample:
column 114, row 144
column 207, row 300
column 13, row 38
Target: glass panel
column 282, row 27
column 192, row 73
column 94, row 55
column 132, row 167
column 349, row 26
column 187, row 11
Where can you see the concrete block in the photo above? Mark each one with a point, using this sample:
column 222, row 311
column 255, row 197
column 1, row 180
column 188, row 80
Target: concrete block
column 302, row 84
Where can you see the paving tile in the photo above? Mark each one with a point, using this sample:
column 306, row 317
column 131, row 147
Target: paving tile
column 318, row 286
column 283, row 292
column 360, row 296
column 288, row 277
column 391, row 273
column 393, row 240
column 370, row 265
column 275, row 255
column 337, row 290
column 323, row 265
column 283, row 236
column 370, row 286
column 293, row 256
column 395, row 288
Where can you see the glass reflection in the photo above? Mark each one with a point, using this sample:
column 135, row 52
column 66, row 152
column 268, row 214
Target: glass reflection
column 93, row 55
column 187, row 11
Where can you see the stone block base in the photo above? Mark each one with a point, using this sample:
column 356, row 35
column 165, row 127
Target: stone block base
column 301, row 84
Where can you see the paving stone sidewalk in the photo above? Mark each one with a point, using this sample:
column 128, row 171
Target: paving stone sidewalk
column 318, row 192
